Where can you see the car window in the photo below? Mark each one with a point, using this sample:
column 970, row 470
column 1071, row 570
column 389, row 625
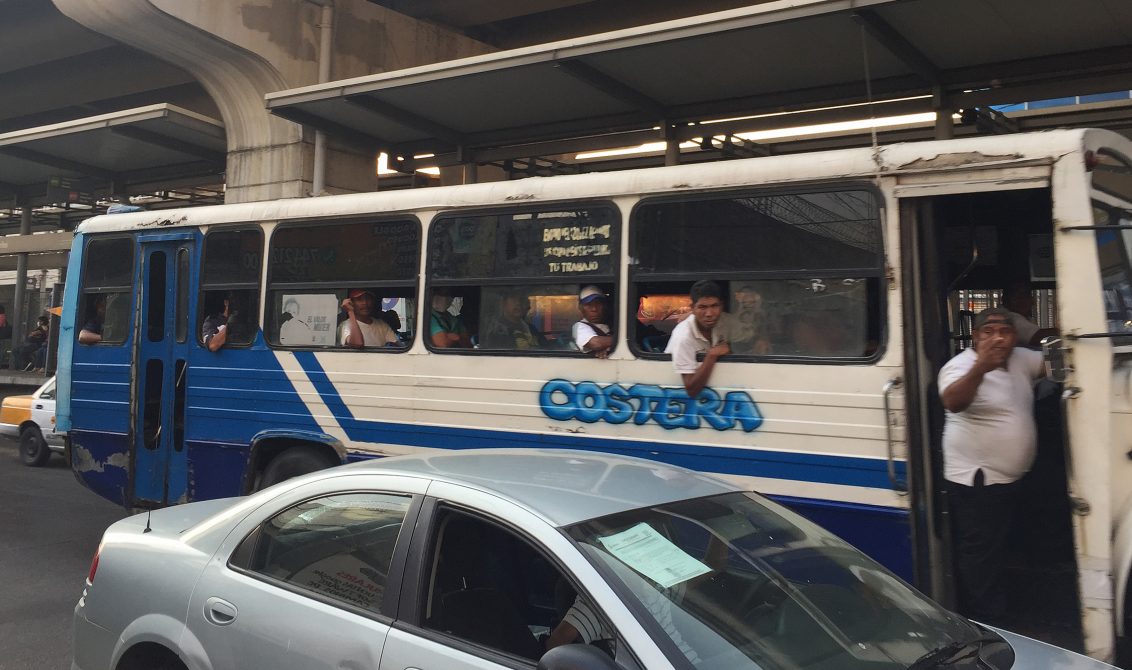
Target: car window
column 490, row 587
column 338, row 546
column 48, row 392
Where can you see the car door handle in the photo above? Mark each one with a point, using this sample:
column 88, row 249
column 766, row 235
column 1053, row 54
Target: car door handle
column 39, row 406
column 218, row 611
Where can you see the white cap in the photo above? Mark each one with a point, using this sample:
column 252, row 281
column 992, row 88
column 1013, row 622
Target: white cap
column 590, row 293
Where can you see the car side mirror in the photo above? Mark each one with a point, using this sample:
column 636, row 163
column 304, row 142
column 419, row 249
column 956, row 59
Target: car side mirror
column 1054, row 354
column 576, row 657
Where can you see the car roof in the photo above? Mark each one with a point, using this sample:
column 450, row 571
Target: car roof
column 563, row 486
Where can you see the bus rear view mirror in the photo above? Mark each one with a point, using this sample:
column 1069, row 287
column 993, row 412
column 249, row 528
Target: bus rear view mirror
column 1054, row 355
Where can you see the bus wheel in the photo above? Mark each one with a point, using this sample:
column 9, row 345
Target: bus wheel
column 294, row 462
column 33, row 449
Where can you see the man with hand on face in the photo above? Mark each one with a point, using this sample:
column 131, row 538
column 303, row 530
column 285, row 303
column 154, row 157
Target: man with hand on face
column 989, row 443
column 361, row 329
column 707, row 331
column 592, row 334
column 221, row 315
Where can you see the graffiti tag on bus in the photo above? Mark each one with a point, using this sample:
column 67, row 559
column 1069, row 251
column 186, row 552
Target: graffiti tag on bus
column 589, row 402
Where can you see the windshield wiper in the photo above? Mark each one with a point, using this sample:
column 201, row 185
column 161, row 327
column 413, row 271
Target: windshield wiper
column 949, row 654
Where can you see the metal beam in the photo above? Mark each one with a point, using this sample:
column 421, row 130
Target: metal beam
column 891, row 39
column 37, row 261
column 409, row 119
column 612, row 87
column 336, row 129
column 171, row 143
column 40, row 243
column 56, row 162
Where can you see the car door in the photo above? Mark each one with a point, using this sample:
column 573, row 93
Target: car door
column 511, row 555
column 43, row 413
column 309, row 580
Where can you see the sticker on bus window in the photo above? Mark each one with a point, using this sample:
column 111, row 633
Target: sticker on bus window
column 309, row 320
column 653, row 555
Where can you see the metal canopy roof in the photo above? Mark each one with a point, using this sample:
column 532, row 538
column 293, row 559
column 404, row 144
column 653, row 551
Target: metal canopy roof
column 789, row 55
column 132, row 147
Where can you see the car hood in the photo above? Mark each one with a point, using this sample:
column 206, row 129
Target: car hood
column 15, row 409
column 1030, row 653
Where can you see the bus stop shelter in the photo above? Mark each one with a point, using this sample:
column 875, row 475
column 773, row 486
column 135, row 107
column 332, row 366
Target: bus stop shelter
column 55, row 174
column 766, row 66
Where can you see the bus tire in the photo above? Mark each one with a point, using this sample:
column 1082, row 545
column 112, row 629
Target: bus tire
column 294, row 462
column 33, row 448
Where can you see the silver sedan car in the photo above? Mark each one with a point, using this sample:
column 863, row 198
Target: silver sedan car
column 508, row 559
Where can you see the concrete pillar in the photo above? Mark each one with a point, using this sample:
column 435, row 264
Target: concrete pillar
column 16, row 317
column 240, row 50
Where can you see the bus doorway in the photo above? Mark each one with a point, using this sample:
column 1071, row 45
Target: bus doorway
column 962, row 253
column 160, row 473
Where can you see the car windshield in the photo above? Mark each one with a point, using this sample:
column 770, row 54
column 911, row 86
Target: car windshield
column 736, row 581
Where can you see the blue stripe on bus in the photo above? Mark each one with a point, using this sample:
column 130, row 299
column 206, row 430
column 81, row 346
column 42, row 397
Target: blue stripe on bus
column 884, row 533
column 822, row 468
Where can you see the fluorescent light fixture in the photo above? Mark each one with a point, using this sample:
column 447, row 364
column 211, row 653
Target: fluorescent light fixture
column 384, row 170
column 778, row 133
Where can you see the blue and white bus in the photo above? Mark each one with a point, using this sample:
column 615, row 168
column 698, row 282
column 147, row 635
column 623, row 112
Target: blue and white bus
column 847, row 270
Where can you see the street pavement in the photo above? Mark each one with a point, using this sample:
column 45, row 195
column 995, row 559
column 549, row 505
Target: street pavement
column 50, row 526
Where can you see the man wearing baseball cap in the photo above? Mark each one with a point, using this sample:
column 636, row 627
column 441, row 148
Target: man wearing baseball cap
column 989, row 443
column 592, row 334
column 361, row 329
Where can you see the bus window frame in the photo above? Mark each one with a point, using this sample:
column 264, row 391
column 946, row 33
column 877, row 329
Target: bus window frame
column 879, row 273
column 584, row 280
column 126, row 289
column 1119, row 157
column 313, row 222
column 203, row 288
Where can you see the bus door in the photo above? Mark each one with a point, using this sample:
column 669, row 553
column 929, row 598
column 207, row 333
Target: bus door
column 160, row 474
column 967, row 234
column 963, row 251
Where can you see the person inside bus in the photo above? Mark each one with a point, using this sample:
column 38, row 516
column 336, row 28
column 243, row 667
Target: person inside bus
column 989, row 443
column 91, row 332
column 707, row 332
column 820, row 334
column 361, row 327
column 1018, row 297
column 509, row 329
column 592, row 334
column 750, row 335
column 221, row 314
column 445, row 329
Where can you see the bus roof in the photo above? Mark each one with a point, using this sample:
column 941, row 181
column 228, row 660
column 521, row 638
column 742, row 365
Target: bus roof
column 865, row 163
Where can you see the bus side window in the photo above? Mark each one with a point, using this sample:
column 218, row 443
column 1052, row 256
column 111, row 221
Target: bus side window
column 230, row 272
column 518, row 275
column 319, row 269
column 104, row 315
column 802, row 272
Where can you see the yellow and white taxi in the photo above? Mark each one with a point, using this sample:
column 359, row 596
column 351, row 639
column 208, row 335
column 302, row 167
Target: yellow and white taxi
column 31, row 420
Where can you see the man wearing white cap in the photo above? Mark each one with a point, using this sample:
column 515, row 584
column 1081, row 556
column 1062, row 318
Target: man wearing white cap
column 592, row 334
column 361, row 329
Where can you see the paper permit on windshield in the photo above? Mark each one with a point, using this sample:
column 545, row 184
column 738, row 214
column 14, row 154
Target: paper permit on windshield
column 653, row 555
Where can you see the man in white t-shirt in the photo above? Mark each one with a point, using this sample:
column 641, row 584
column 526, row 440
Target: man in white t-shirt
column 361, row 329
column 989, row 443
column 707, row 331
column 592, row 334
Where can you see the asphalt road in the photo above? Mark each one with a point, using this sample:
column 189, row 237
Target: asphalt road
column 50, row 526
